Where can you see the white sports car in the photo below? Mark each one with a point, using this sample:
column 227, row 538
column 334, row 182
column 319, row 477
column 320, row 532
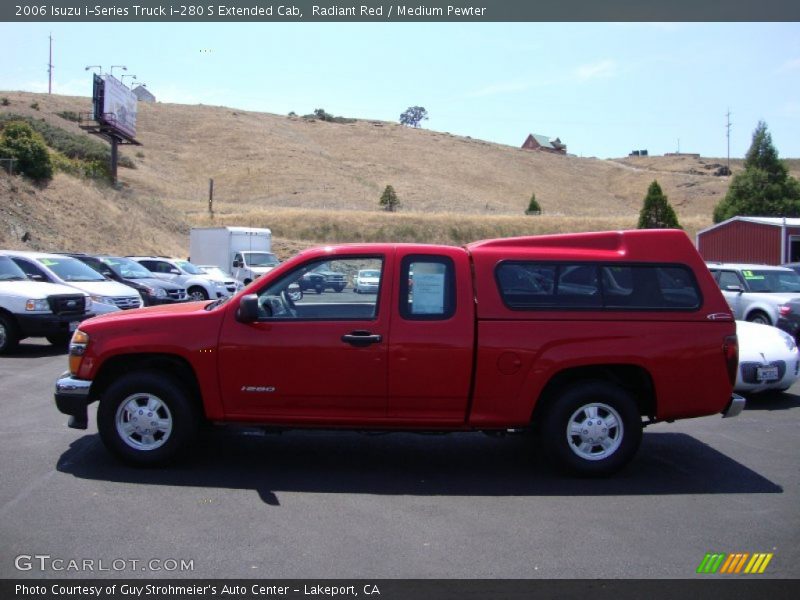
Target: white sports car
column 768, row 358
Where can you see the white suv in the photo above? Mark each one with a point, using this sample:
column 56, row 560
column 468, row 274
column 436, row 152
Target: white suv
column 107, row 295
column 198, row 284
column 756, row 292
column 29, row 308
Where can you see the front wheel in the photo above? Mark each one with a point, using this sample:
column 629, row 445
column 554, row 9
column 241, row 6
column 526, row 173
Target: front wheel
column 592, row 429
column 9, row 338
column 145, row 418
column 197, row 293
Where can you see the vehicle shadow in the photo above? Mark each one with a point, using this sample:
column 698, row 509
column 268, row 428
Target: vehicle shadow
column 36, row 349
column 468, row 464
column 772, row 401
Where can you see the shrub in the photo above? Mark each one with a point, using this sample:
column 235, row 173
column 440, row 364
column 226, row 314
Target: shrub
column 70, row 116
column 21, row 142
column 5, row 101
column 656, row 211
column 389, row 200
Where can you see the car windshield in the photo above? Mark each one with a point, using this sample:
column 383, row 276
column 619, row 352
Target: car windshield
column 127, row 268
column 9, row 271
column 772, row 281
column 370, row 274
column 188, row 267
column 71, row 269
column 261, row 259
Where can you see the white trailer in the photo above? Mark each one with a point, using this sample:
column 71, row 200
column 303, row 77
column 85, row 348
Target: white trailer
column 244, row 252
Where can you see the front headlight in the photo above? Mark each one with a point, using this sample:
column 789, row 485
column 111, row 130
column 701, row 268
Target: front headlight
column 87, row 303
column 77, row 348
column 789, row 341
column 155, row 292
column 37, row 305
column 219, row 284
column 103, row 300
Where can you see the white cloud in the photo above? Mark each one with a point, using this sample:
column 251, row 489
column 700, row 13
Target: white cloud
column 791, row 65
column 596, row 70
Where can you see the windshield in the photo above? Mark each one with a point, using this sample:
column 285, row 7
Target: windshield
column 9, row 271
column 71, row 269
column 261, row 259
column 188, row 267
column 772, row 281
column 369, row 274
column 127, row 268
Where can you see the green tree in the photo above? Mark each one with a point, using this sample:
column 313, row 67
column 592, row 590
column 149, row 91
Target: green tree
column 389, row 200
column 656, row 211
column 533, row 206
column 413, row 116
column 764, row 188
column 20, row 141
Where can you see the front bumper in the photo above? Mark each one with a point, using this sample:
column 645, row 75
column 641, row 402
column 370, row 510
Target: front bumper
column 735, row 406
column 72, row 397
column 49, row 324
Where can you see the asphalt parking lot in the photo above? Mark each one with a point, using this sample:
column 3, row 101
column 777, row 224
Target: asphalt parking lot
column 347, row 505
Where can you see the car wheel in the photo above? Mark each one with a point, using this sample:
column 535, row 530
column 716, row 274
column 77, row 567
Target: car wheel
column 61, row 339
column 758, row 316
column 145, row 418
column 319, row 289
column 197, row 293
column 592, row 429
column 9, row 338
column 339, row 288
column 248, row 281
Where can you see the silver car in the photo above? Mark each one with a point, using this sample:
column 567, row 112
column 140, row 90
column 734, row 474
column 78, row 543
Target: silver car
column 755, row 293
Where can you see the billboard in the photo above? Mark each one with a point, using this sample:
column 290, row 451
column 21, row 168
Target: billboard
column 114, row 105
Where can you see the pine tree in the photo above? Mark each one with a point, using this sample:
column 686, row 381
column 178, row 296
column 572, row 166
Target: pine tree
column 389, row 200
column 656, row 211
column 533, row 206
column 764, row 188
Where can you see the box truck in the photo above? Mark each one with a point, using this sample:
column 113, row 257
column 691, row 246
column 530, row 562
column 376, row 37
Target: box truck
column 244, row 252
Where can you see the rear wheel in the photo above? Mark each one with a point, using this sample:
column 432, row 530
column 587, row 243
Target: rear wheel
column 758, row 316
column 145, row 418
column 9, row 338
column 593, row 428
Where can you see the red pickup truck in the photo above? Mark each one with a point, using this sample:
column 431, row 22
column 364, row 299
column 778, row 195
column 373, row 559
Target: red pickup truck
column 584, row 337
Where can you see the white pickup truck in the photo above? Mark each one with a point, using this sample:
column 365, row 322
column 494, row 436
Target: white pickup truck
column 31, row 308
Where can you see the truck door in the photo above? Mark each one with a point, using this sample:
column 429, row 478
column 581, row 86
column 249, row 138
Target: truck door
column 432, row 340
column 322, row 357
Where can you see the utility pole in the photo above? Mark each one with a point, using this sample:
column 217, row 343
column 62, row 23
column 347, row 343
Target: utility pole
column 728, row 135
column 50, row 68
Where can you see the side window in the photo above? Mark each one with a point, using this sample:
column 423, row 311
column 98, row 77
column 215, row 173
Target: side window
column 526, row 285
column 564, row 286
column 339, row 289
column 31, row 270
column 729, row 278
column 427, row 288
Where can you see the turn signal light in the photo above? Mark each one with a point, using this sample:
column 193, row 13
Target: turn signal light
column 730, row 348
column 77, row 348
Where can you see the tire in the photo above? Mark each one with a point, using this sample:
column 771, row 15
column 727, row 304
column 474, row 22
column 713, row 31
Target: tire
column 593, row 429
column 247, row 281
column 197, row 293
column 339, row 288
column 319, row 289
column 60, row 340
column 9, row 336
column 759, row 316
column 146, row 395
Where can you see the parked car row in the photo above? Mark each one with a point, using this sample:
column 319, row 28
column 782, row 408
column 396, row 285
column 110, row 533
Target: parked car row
column 48, row 294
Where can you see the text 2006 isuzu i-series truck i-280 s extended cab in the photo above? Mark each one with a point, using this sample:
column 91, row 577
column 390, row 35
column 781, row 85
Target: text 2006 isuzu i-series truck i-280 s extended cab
column 586, row 337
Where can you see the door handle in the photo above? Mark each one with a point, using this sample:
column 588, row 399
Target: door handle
column 361, row 338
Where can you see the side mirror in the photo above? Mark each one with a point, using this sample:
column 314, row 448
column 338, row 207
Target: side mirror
column 174, row 271
column 237, row 264
column 248, row 311
column 734, row 288
column 36, row 277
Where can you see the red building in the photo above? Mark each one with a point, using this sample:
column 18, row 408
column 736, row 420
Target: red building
column 759, row 240
column 542, row 143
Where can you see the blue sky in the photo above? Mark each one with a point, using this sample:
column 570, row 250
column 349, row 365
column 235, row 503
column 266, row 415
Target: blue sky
column 603, row 88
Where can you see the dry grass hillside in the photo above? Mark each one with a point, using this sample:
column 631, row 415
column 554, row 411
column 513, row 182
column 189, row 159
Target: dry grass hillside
column 315, row 181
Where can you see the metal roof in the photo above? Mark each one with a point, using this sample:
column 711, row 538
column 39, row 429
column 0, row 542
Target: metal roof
column 774, row 221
